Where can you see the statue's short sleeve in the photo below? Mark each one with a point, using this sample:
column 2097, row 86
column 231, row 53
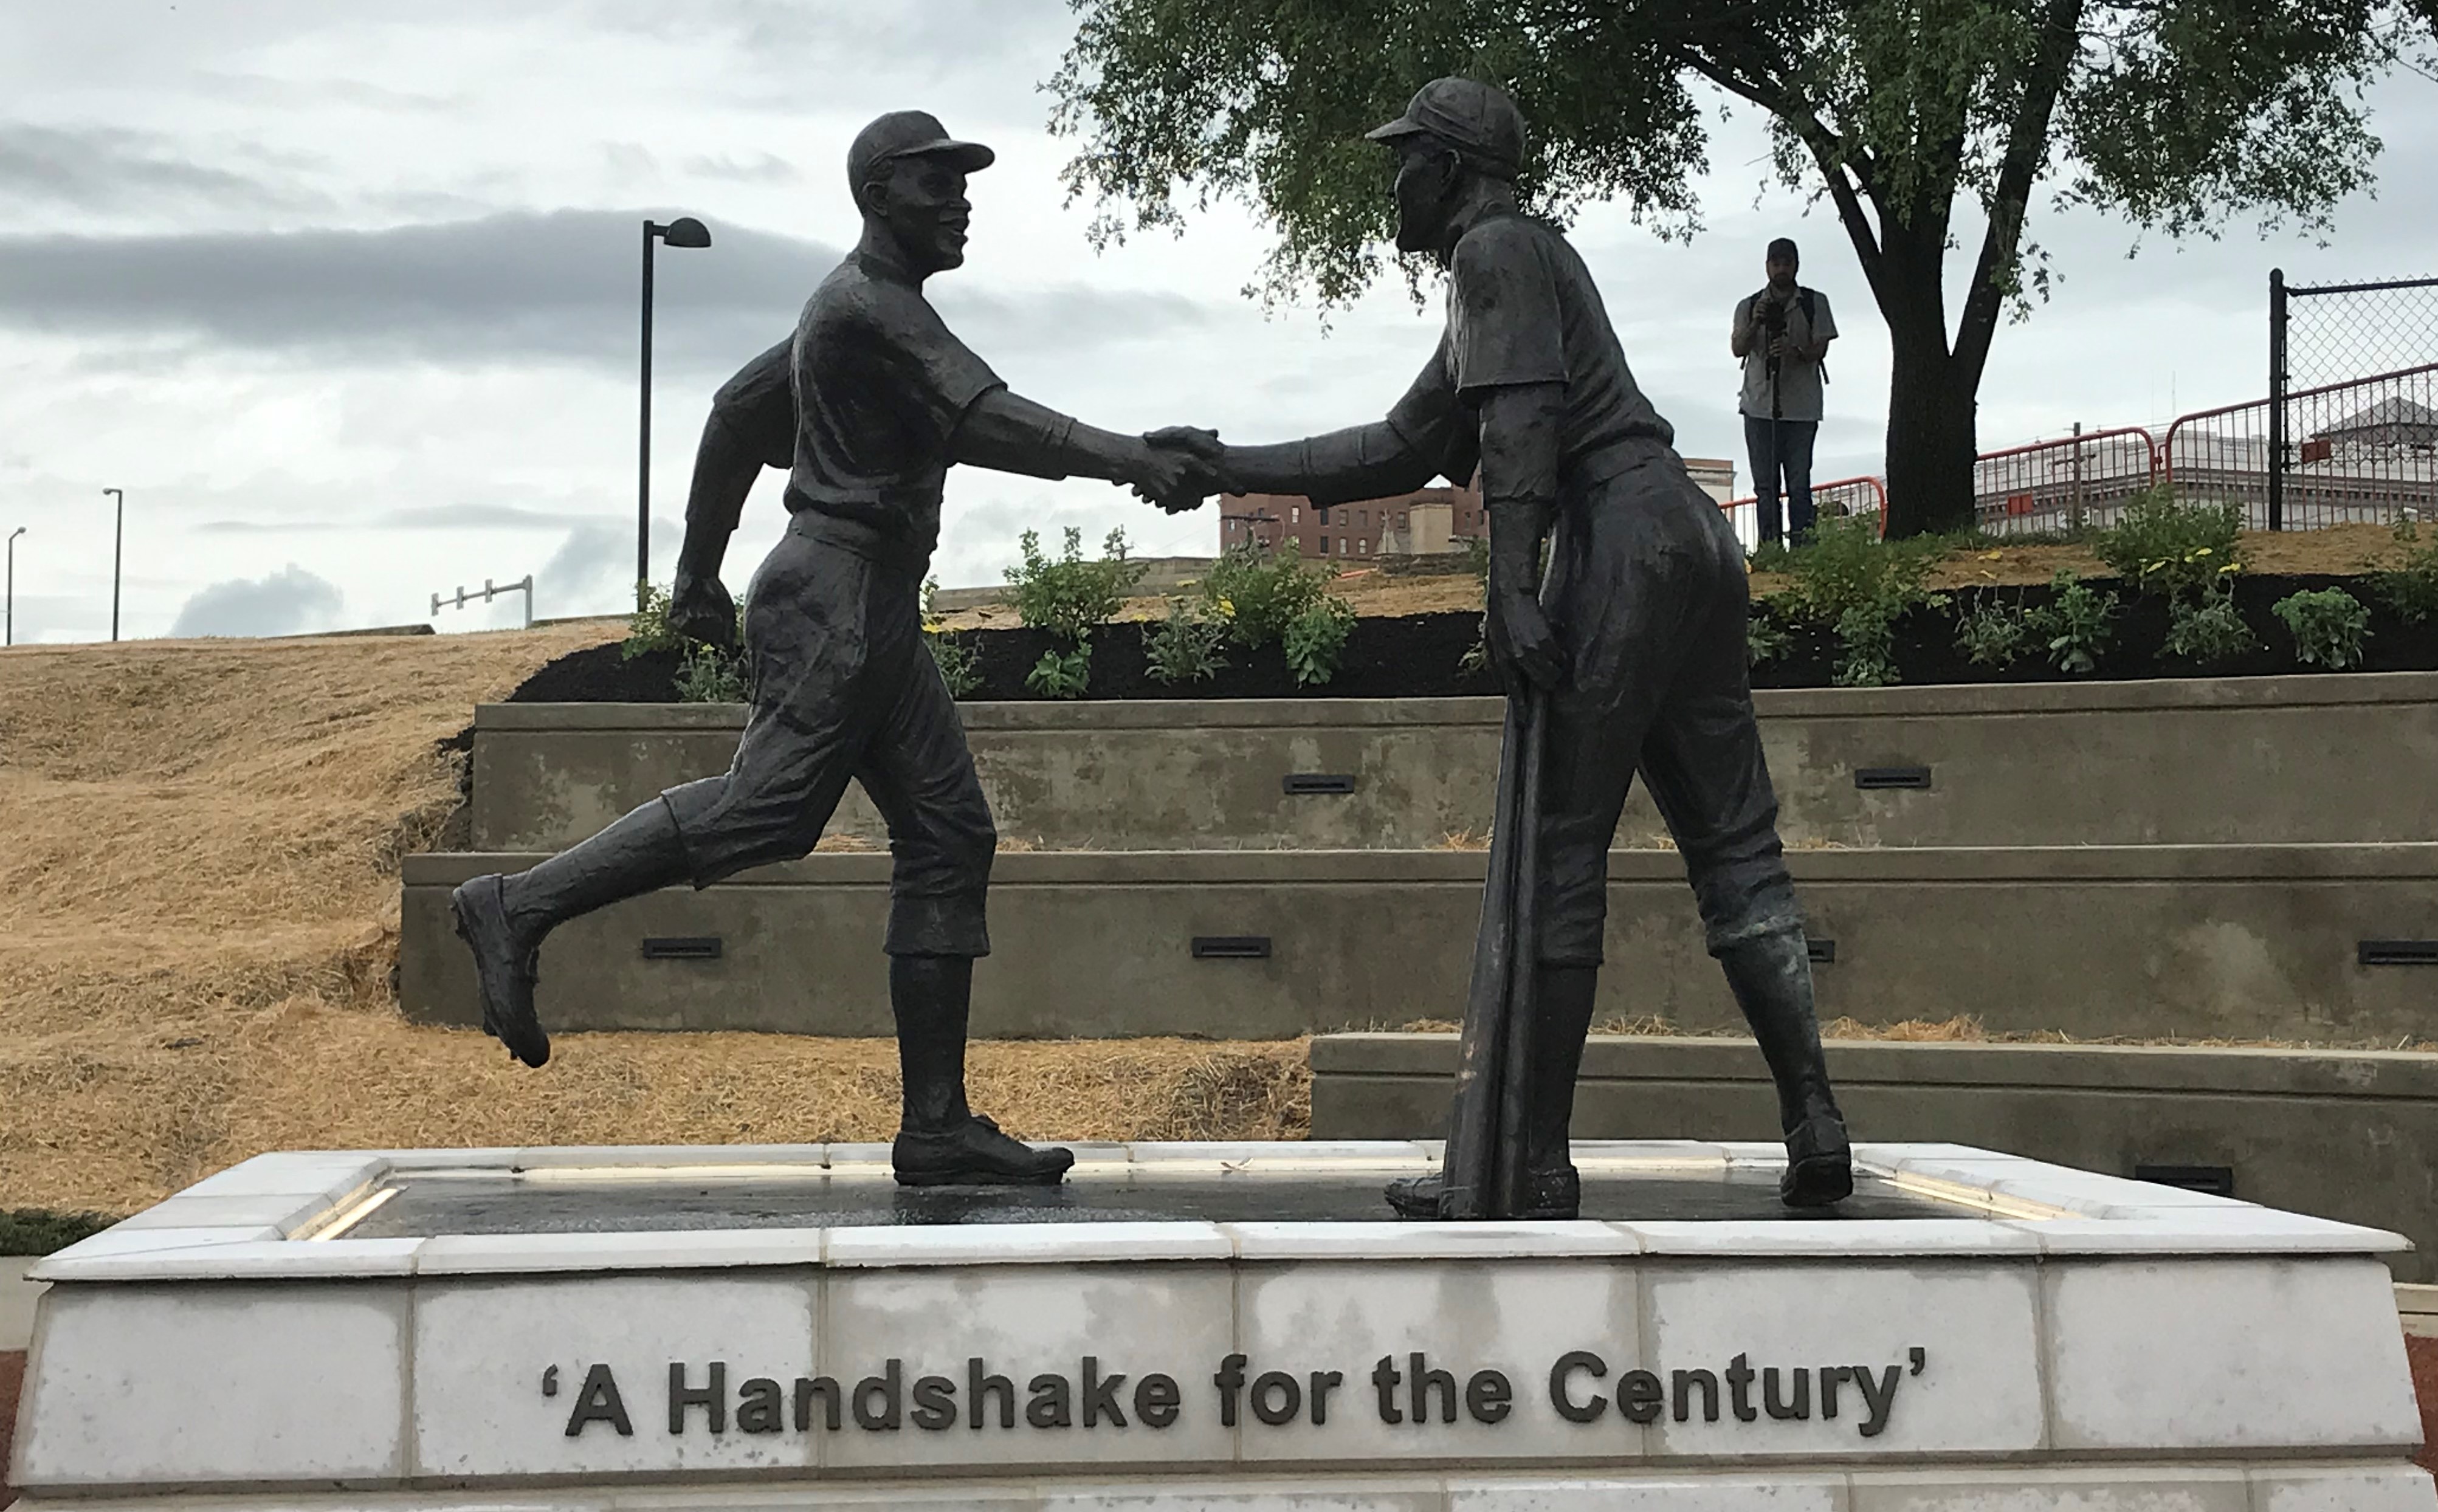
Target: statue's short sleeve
column 1505, row 325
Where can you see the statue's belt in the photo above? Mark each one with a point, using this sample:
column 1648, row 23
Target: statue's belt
column 861, row 522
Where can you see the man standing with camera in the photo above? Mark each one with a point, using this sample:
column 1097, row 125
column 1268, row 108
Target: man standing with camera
column 1783, row 333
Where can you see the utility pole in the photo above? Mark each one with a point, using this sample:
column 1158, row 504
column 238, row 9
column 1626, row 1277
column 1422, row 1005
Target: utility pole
column 10, row 637
column 117, row 552
column 684, row 232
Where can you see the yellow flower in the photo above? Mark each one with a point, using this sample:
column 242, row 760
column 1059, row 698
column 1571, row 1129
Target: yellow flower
column 1226, row 609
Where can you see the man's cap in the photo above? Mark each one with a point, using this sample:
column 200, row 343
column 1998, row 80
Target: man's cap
column 910, row 134
column 1784, row 247
column 1477, row 119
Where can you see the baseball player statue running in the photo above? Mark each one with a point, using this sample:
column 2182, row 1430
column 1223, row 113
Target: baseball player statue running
column 869, row 405
column 1630, row 655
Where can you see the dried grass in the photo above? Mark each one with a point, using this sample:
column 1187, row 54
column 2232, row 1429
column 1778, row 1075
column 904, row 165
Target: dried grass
column 199, row 919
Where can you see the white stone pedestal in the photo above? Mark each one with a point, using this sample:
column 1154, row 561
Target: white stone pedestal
column 2061, row 1340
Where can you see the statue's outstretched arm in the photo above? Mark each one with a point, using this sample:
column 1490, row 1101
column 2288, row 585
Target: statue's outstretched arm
column 1008, row 432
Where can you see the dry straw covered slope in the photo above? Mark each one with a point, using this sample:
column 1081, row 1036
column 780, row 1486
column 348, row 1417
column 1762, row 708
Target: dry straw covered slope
column 198, row 848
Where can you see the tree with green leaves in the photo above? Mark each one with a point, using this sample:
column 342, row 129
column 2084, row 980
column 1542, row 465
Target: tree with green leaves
column 1918, row 120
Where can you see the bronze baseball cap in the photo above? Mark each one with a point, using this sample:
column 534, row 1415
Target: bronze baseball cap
column 911, row 133
column 1477, row 119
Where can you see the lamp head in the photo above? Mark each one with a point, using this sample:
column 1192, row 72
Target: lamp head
column 685, row 231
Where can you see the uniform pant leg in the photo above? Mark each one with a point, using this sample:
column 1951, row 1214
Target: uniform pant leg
column 919, row 773
column 814, row 713
column 1703, row 761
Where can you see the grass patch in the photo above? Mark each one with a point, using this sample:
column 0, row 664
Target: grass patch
column 39, row 1231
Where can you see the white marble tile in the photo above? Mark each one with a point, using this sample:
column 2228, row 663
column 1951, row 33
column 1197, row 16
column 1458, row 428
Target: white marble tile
column 1270, row 1155
column 674, row 1249
column 2243, row 1230
column 306, row 1173
column 73, row 1262
column 960, row 1495
column 643, row 1158
column 2226, row 1355
column 1025, row 1324
column 1834, row 1237
column 284, row 1211
column 2383, row 1488
column 1951, row 1350
column 1492, row 1325
column 1024, row 1244
column 257, row 1259
column 196, row 1384
column 1515, row 1239
column 1348, row 1494
column 484, row 1404
column 2034, row 1488
column 1704, row 1492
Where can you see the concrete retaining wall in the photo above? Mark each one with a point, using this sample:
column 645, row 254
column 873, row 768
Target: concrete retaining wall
column 2211, row 761
column 2233, row 942
column 2340, row 1134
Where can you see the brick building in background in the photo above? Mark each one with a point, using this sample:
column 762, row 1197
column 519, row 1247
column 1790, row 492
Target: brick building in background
column 1425, row 523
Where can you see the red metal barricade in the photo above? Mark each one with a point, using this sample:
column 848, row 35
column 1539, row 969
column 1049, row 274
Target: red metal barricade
column 2063, row 485
column 1840, row 498
column 2361, row 452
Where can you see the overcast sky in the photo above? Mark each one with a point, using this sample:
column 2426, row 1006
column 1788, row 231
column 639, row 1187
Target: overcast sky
column 343, row 295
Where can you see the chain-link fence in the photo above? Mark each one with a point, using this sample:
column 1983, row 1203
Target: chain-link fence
column 2323, row 341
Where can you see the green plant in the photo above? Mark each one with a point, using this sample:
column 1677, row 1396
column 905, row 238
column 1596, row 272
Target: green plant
column 1859, row 585
column 2205, row 628
column 1316, row 638
column 42, row 1231
column 960, row 664
column 1765, row 638
column 1996, row 633
column 2161, row 546
column 2077, row 623
column 1188, row 646
column 1067, row 595
column 2328, row 625
column 649, row 628
column 1259, row 592
column 710, row 676
column 2411, row 587
column 1062, row 676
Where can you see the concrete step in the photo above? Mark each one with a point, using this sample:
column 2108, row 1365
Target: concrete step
column 2338, row 1135
column 2202, row 761
column 2199, row 941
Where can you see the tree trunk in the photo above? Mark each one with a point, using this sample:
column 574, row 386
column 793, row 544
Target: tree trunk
column 1932, row 397
column 1931, row 443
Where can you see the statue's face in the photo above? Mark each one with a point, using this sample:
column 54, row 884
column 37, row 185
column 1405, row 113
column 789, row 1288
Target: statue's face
column 923, row 202
column 1429, row 178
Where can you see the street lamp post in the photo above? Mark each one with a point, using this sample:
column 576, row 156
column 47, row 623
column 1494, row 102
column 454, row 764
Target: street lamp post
column 117, row 552
column 684, row 232
column 10, row 637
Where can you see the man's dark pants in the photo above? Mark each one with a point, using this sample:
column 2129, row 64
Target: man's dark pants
column 844, row 687
column 1781, row 448
column 1647, row 591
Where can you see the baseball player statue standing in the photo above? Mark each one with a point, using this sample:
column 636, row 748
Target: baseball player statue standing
column 1630, row 655
column 869, row 405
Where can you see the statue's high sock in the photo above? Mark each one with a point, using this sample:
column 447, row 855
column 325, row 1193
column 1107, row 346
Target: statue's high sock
column 1771, row 976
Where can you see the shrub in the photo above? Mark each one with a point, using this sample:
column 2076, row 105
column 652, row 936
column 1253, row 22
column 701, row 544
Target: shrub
column 2205, row 628
column 1317, row 640
column 2181, row 551
column 2328, row 625
column 1859, row 585
column 1062, row 677
column 649, row 628
column 1188, row 646
column 710, row 676
column 2410, row 587
column 2077, row 624
column 1996, row 633
column 1259, row 592
column 1067, row 595
column 960, row 664
column 1765, row 638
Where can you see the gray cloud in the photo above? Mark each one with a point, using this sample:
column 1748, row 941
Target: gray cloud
column 759, row 168
column 288, row 601
column 510, row 288
column 107, row 168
